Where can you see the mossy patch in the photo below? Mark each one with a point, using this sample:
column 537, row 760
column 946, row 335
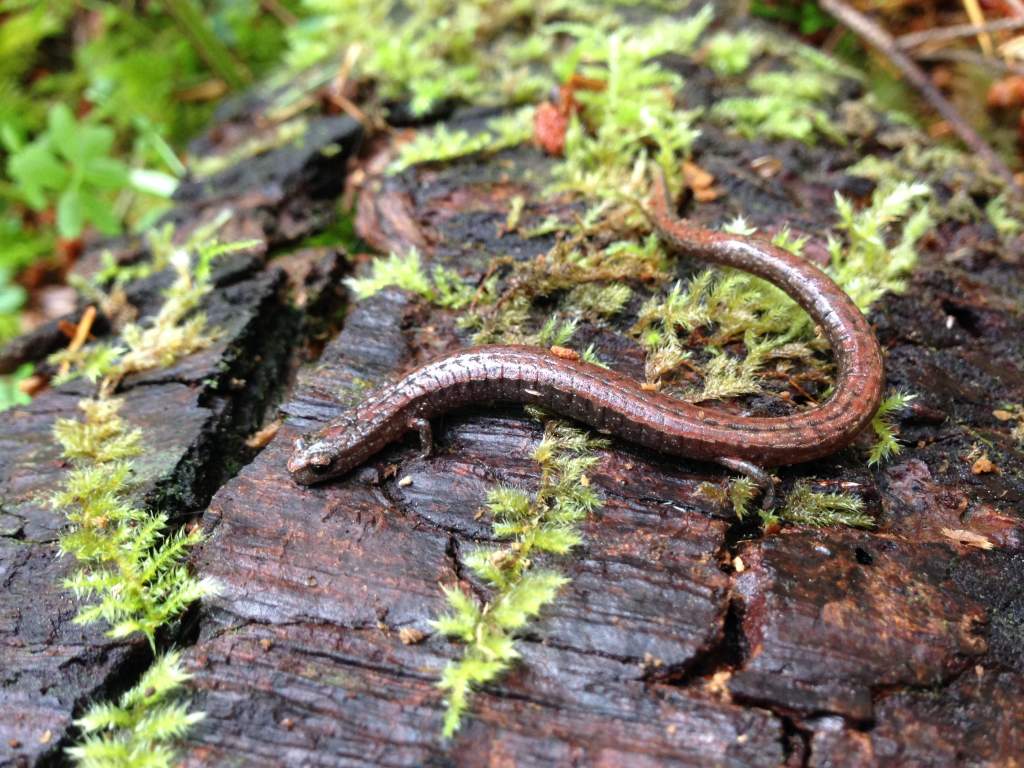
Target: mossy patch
column 131, row 566
column 544, row 522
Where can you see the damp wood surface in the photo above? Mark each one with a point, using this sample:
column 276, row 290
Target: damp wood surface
column 683, row 638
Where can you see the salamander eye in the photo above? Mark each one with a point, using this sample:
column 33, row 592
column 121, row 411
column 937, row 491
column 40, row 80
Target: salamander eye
column 320, row 460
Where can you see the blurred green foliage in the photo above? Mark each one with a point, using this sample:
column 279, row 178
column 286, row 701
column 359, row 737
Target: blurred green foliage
column 97, row 99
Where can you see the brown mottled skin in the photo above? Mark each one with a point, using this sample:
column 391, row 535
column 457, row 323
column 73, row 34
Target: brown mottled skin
column 615, row 404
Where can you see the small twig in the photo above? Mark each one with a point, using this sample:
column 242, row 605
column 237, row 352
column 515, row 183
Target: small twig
column 954, row 32
column 278, row 11
column 209, row 47
column 81, row 336
column 977, row 18
column 882, row 41
column 972, row 57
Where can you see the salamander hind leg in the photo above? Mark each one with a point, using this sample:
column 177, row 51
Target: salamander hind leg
column 422, row 427
column 761, row 477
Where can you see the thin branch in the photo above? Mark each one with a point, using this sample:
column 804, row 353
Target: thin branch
column 282, row 14
column 973, row 58
column 945, row 34
column 209, row 47
column 977, row 18
column 882, row 41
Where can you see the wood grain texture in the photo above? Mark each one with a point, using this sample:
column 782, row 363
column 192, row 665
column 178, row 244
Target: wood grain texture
column 355, row 562
column 51, row 667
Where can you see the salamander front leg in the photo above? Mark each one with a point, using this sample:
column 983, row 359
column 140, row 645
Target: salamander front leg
column 422, row 426
column 763, row 479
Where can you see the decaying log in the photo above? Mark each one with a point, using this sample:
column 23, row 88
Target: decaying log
column 685, row 637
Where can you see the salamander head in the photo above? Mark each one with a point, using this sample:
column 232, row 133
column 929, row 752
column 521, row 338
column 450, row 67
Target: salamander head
column 327, row 454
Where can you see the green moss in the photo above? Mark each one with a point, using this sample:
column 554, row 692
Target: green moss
column 1007, row 224
column 403, row 271
column 777, row 116
column 599, row 301
column 866, row 265
column 545, row 522
column 479, row 51
column 732, row 53
column 634, row 114
column 137, row 729
column 806, row 507
column 588, row 277
column 177, row 330
column 886, row 444
column 441, row 144
column 131, row 569
column 966, row 177
column 443, row 287
column 786, row 104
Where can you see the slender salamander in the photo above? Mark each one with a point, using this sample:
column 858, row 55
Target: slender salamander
column 616, row 404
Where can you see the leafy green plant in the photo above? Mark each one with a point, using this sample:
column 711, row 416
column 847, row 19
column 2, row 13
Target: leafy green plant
column 10, row 393
column 70, row 166
column 126, row 562
column 803, row 506
column 140, row 108
column 786, row 104
column 12, row 296
column 866, row 266
column 479, row 51
column 781, row 115
column 177, row 329
column 545, row 522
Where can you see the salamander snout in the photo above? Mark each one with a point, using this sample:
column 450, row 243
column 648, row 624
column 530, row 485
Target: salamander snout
column 309, row 462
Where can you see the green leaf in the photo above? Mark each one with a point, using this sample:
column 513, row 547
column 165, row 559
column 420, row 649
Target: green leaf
column 62, row 126
column 11, row 297
column 105, row 172
column 10, row 394
column 153, row 182
column 93, row 141
column 35, row 168
column 100, row 212
column 70, row 215
column 11, row 138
